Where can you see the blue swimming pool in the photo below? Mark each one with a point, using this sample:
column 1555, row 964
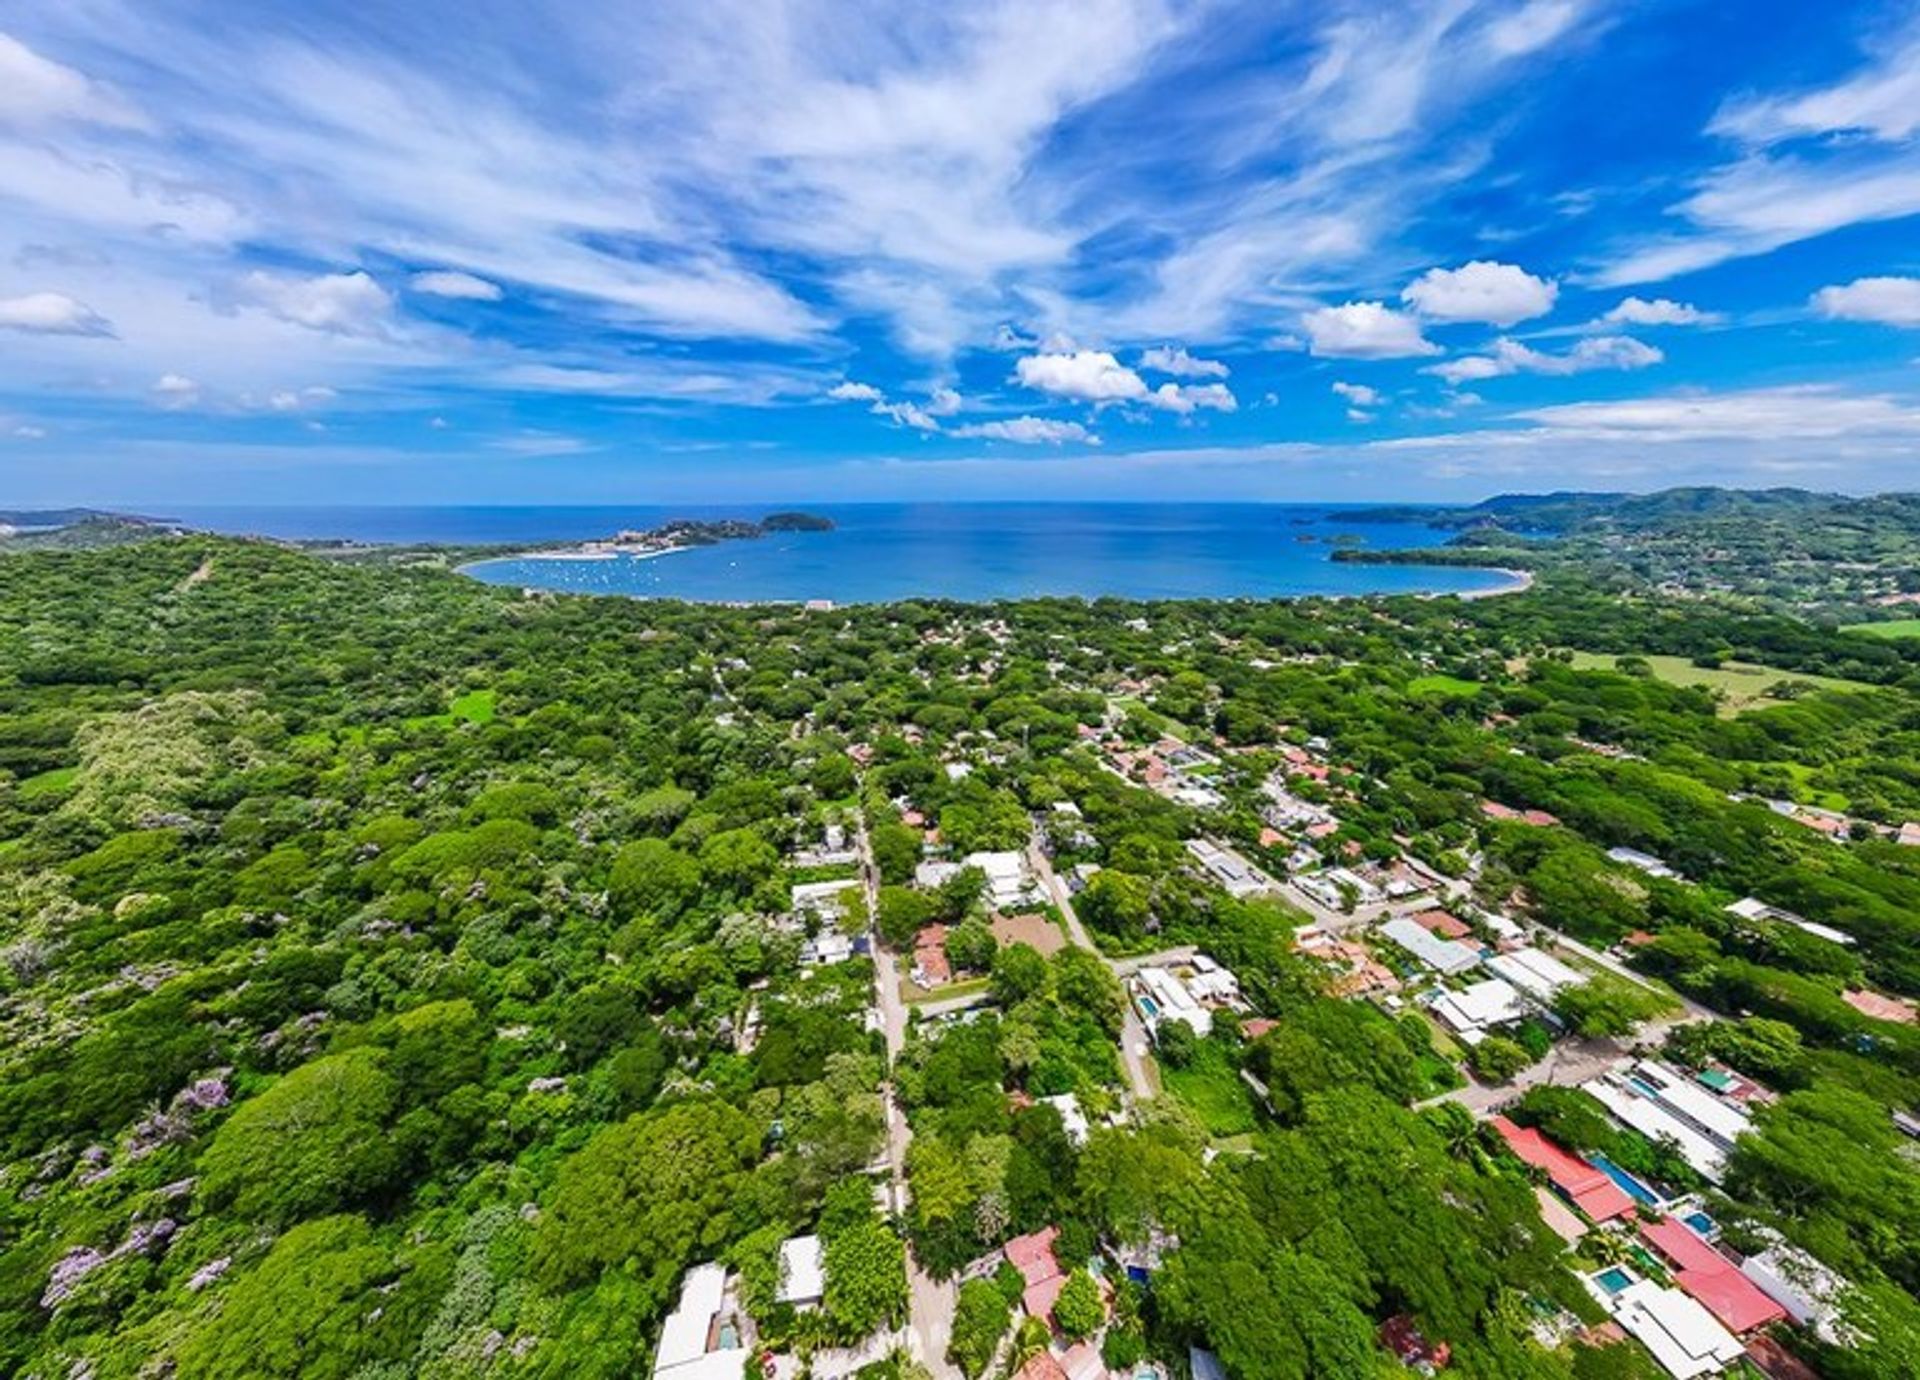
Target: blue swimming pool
column 1148, row 1008
column 1629, row 1185
column 1700, row 1222
column 1613, row 1279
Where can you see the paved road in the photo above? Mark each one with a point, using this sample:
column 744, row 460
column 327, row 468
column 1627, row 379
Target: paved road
column 1571, row 1062
column 930, row 1303
column 1136, row 1047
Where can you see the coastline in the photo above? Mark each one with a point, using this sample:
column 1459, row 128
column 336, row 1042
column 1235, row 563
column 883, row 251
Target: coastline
column 1518, row 582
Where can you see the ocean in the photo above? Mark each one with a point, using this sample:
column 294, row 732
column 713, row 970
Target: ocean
column 885, row 552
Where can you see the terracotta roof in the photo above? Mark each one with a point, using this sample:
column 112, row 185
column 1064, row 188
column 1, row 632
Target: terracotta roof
column 1038, row 1299
column 1591, row 1191
column 1442, row 923
column 1042, row 1367
column 1711, row 1278
column 1032, row 1255
column 1258, row 1026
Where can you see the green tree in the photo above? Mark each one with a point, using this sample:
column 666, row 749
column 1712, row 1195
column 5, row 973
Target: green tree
column 1497, row 1059
column 866, row 1268
column 1019, row 972
column 653, row 877
column 314, row 1141
column 1078, row 1312
column 979, row 1321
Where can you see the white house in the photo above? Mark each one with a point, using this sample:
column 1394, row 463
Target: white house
column 1682, row 1335
column 803, row 1272
column 1476, row 1010
column 694, row 1342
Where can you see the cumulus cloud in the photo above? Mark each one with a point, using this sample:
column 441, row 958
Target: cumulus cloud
column 446, row 283
column 175, row 392
column 907, row 414
column 334, row 303
column 1358, row 394
column 1494, row 293
column 1661, row 311
column 1365, row 330
column 1511, row 357
column 1176, row 361
column 1093, row 376
column 51, row 313
column 1889, row 301
column 293, row 400
column 1028, row 431
column 944, row 402
column 1193, row 397
column 850, row 391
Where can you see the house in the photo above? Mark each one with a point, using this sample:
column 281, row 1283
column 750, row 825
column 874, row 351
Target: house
column 1032, row 1255
column 697, row 1340
column 1645, row 862
column 1801, row 1285
column 1072, row 1119
column 1041, row 1366
column 1657, row 1101
column 1160, row 996
column 1447, row 956
column 823, row 899
column 1681, row 1334
column 1586, row 1187
column 1909, row 834
column 935, row 873
column 1443, row 924
column 931, row 967
column 1081, row 1361
column 1541, row 976
column 1009, row 883
column 803, row 1273
column 1234, row 873
column 1473, row 1011
column 1753, row 908
column 1706, row 1275
column 827, row 947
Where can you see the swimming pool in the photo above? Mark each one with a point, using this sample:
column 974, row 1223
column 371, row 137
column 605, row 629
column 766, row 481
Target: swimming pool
column 1613, row 1279
column 1629, row 1185
column 1148, row 1008
column 1700, row 1222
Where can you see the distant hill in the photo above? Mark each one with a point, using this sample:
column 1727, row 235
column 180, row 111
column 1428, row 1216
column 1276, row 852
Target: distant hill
column 1569, row 511
column 76, row 529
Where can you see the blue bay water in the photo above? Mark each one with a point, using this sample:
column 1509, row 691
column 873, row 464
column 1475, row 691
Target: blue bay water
column 882, row 552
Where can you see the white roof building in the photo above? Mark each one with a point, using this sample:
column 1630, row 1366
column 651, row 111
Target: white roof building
column 1009, row 883
column 803, row 1271
column 1646, row 862
column 1658, row 1101
column 1800, row 1284
column 1163, row 997
column 1540, row 975
column 822, row 898
column 689, row 1337
column 1071, row 1117
column 1442, row 955
column 1681, row 1334
column 1471, row 1013
column 934, row 873
column 1239, row 877
column 1753, row 908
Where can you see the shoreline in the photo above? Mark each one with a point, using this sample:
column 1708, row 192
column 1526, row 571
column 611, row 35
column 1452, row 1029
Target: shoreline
column 1518, row 582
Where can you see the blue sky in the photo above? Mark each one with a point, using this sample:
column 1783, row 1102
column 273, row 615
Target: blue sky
column 503, row 251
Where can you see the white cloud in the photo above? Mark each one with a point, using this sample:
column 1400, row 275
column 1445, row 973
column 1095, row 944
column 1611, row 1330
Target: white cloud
column 1354, row 414
column 1511, row 357
column 1881, row 101
column 1028, row 431
column 447, row 283
column 175, row 392
column 26, row 431
column 1891, row 301
column 1176, row 361
column 334, row 303
column 51, row 313
column 850, row 391
column 1365, row 330
column 537, row 443
column 1803, row 413
column 1358, row 394
column 1495, row 293
column 1193, row 397
column 1661, row 311
column 1531, row 27
column 1093, row 376
column 944, row 402
column 906, row 414
column 37, row 90
column 293, row 400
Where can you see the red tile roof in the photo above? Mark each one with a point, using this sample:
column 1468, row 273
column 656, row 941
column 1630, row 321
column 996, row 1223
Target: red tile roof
column 1591, row 1191
column 1258, row 1026
column 1443, row 924
column 1042, row 1367
column 1711, row 1278
column 1038, row 1299
column 1032, row 1255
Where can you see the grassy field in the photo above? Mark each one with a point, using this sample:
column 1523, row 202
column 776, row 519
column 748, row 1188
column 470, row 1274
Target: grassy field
column 1214, row 1091
column 1742, row 685
column 1899, row 627
column 1445, row 687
